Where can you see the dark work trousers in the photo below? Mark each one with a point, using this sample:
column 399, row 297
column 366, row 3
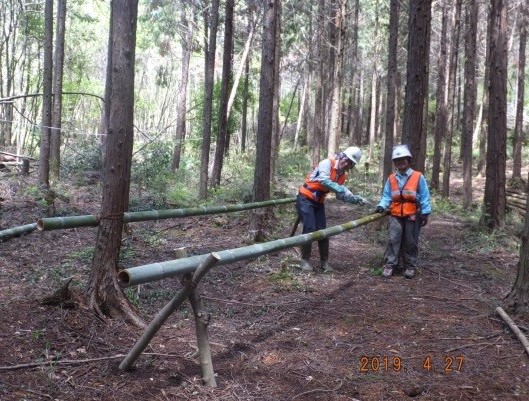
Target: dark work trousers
column 312, row 216
column 403, row 237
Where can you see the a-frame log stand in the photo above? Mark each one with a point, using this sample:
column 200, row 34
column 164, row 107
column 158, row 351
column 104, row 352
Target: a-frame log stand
column 190, row 282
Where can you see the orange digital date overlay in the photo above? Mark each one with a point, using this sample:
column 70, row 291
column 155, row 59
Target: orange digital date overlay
column 450, row 364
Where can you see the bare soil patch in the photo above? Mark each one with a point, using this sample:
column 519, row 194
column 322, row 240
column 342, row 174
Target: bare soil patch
column 276, row 333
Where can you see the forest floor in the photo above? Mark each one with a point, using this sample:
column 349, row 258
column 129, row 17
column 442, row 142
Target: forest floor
column 276, row 333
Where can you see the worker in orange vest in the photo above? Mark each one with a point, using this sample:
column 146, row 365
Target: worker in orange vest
column 328, row 176
column 407, row 197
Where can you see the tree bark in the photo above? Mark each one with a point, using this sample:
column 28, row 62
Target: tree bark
column 470, row 93
column 209, row 83
column 44, row 158
column 227, row 67
column 452, row 71
column 181, row 107
column 518, row 126
column 262, row 178
column 104, row 292
column 441, row 97
column 417, row 79
column 391, row 87
column 493, row 215
column 56, row 120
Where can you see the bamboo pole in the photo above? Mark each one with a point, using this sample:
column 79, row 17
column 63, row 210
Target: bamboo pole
column 514, row 328
column 166, row 311
column 17, row 231
column 157, row 271
column 57, row 223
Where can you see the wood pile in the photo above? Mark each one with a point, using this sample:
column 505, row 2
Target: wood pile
column 516, row 199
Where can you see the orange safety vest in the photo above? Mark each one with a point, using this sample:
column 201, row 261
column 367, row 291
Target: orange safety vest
column 404, row 201
column 314, row 190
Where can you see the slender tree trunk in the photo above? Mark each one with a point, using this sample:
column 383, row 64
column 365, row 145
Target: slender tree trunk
column 518, row 126
column 244, row 124
column 485, row 101
column 227, row 72
column 56, row 123
column 494, row 200
column 104, row 292
column 209, row 83
column 453, row 58
column 336, row 106
column 441, row 97
column 469, row 102
column 44, row 158
column 181, row 106
column 315, row 138
column 391, row 87
column 275, row 104
column 262, row 175
column 417, row 79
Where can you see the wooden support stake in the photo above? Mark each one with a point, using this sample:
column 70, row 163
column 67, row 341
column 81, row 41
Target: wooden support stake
column 166, row 311
column 202, row 319
column 201, row 326
column 514, row 328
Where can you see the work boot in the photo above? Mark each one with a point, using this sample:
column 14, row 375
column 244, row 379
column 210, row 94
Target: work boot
column 409, row 273
column 323, row 247
column 306, row 250
column 388, row 271
column 325, row 265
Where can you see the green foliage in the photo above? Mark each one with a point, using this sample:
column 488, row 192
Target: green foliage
column 237, row 180
column 151, row 169
column 85, row 157
column 292, row 164
column 284, row 105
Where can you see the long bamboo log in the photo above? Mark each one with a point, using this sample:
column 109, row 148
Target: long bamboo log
column 157, row 271
column 57, row 223
column 17, row 231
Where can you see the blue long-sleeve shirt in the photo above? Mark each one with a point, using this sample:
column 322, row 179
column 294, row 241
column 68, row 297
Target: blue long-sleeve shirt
column 423, row 193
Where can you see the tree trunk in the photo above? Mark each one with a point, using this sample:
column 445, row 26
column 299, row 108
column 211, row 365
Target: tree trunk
column 44, row 158
column 262, row 178
column 391, row 87
column 209, row 83
column 518, row 126
column 314, row 137
column 245, row 93
column 105, row 295
column 338, row 27
column 227, row 66
column 452, row 68
column 417, row 78
column 494, row 200
column 181, row 106
column 374, row 90
column 56, row 123
column 469, row 110
column 276, row 101
column 441, row 97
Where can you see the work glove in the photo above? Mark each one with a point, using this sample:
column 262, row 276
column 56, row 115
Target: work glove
column 424, row 219
column 379, row 209
column 362, row 201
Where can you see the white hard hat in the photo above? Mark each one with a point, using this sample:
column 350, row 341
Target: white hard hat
column 400, row 151
column 353, row 153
